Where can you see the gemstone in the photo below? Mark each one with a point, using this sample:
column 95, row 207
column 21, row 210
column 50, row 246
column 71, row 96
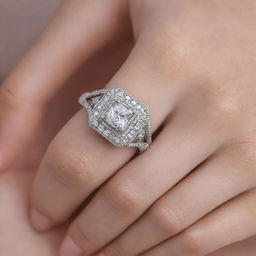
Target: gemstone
column 124, row 140
column 141, row 136
column 106, row 132
column 117, row 140
column 101, row 127
column 120, row 93
column 119, row 116
column 95, row 123
column 129, row 136
column 95, row 100
column 138, row 126
column 132, row 132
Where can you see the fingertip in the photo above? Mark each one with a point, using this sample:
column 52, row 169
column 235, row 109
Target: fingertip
column 39, row 222
column 70, row 248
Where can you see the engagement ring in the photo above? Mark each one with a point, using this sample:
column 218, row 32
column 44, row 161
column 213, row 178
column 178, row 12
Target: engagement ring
column 118, row 117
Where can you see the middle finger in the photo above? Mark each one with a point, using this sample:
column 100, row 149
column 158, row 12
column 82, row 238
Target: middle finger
column 215, row 182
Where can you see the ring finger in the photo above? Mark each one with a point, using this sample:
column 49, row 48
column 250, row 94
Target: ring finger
column 71, row 169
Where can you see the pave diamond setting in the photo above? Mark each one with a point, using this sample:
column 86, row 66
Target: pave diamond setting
column 118, row 117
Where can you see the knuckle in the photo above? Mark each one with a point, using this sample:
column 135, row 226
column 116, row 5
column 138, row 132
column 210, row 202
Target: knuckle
column 191, row 243
column 7, row 97
column 12, row 96
column 220, row 109
column 169, row 50
column 122, row 197
column 248, row 153
column 166, row 219
column 70, row 167
column 227, row 107
column 224, row 106
column 243, row 155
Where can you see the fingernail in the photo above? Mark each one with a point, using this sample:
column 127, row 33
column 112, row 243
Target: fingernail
column 100, row 254
column 69, row 248
column 40, row 222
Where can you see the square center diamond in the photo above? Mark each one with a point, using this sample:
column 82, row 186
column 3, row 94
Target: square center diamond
column 119, row 116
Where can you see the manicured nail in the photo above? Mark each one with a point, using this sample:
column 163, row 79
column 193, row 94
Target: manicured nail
column 70, row 248
column 40, row 222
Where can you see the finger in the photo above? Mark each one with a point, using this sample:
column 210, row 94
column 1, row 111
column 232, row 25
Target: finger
column 78, row 160
column 78, row 31
column 232, row 222
column 246, row 247
column 213, row 183
column 139, row 184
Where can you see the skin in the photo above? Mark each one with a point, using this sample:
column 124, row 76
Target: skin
column 202, row 59
column 17, row 173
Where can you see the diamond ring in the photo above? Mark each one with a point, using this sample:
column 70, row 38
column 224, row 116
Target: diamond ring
column 118, row 117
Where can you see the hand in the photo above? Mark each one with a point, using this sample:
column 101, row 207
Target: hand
column 193, row 65
column 14, row 188
column 26, row 129
column 17, row 236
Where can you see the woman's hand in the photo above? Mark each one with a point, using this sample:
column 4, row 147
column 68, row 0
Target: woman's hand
column 18, row 169
column 193, row 191
column 17, row 237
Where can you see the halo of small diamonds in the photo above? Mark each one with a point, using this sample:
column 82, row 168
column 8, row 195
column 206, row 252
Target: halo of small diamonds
column 118, row 117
